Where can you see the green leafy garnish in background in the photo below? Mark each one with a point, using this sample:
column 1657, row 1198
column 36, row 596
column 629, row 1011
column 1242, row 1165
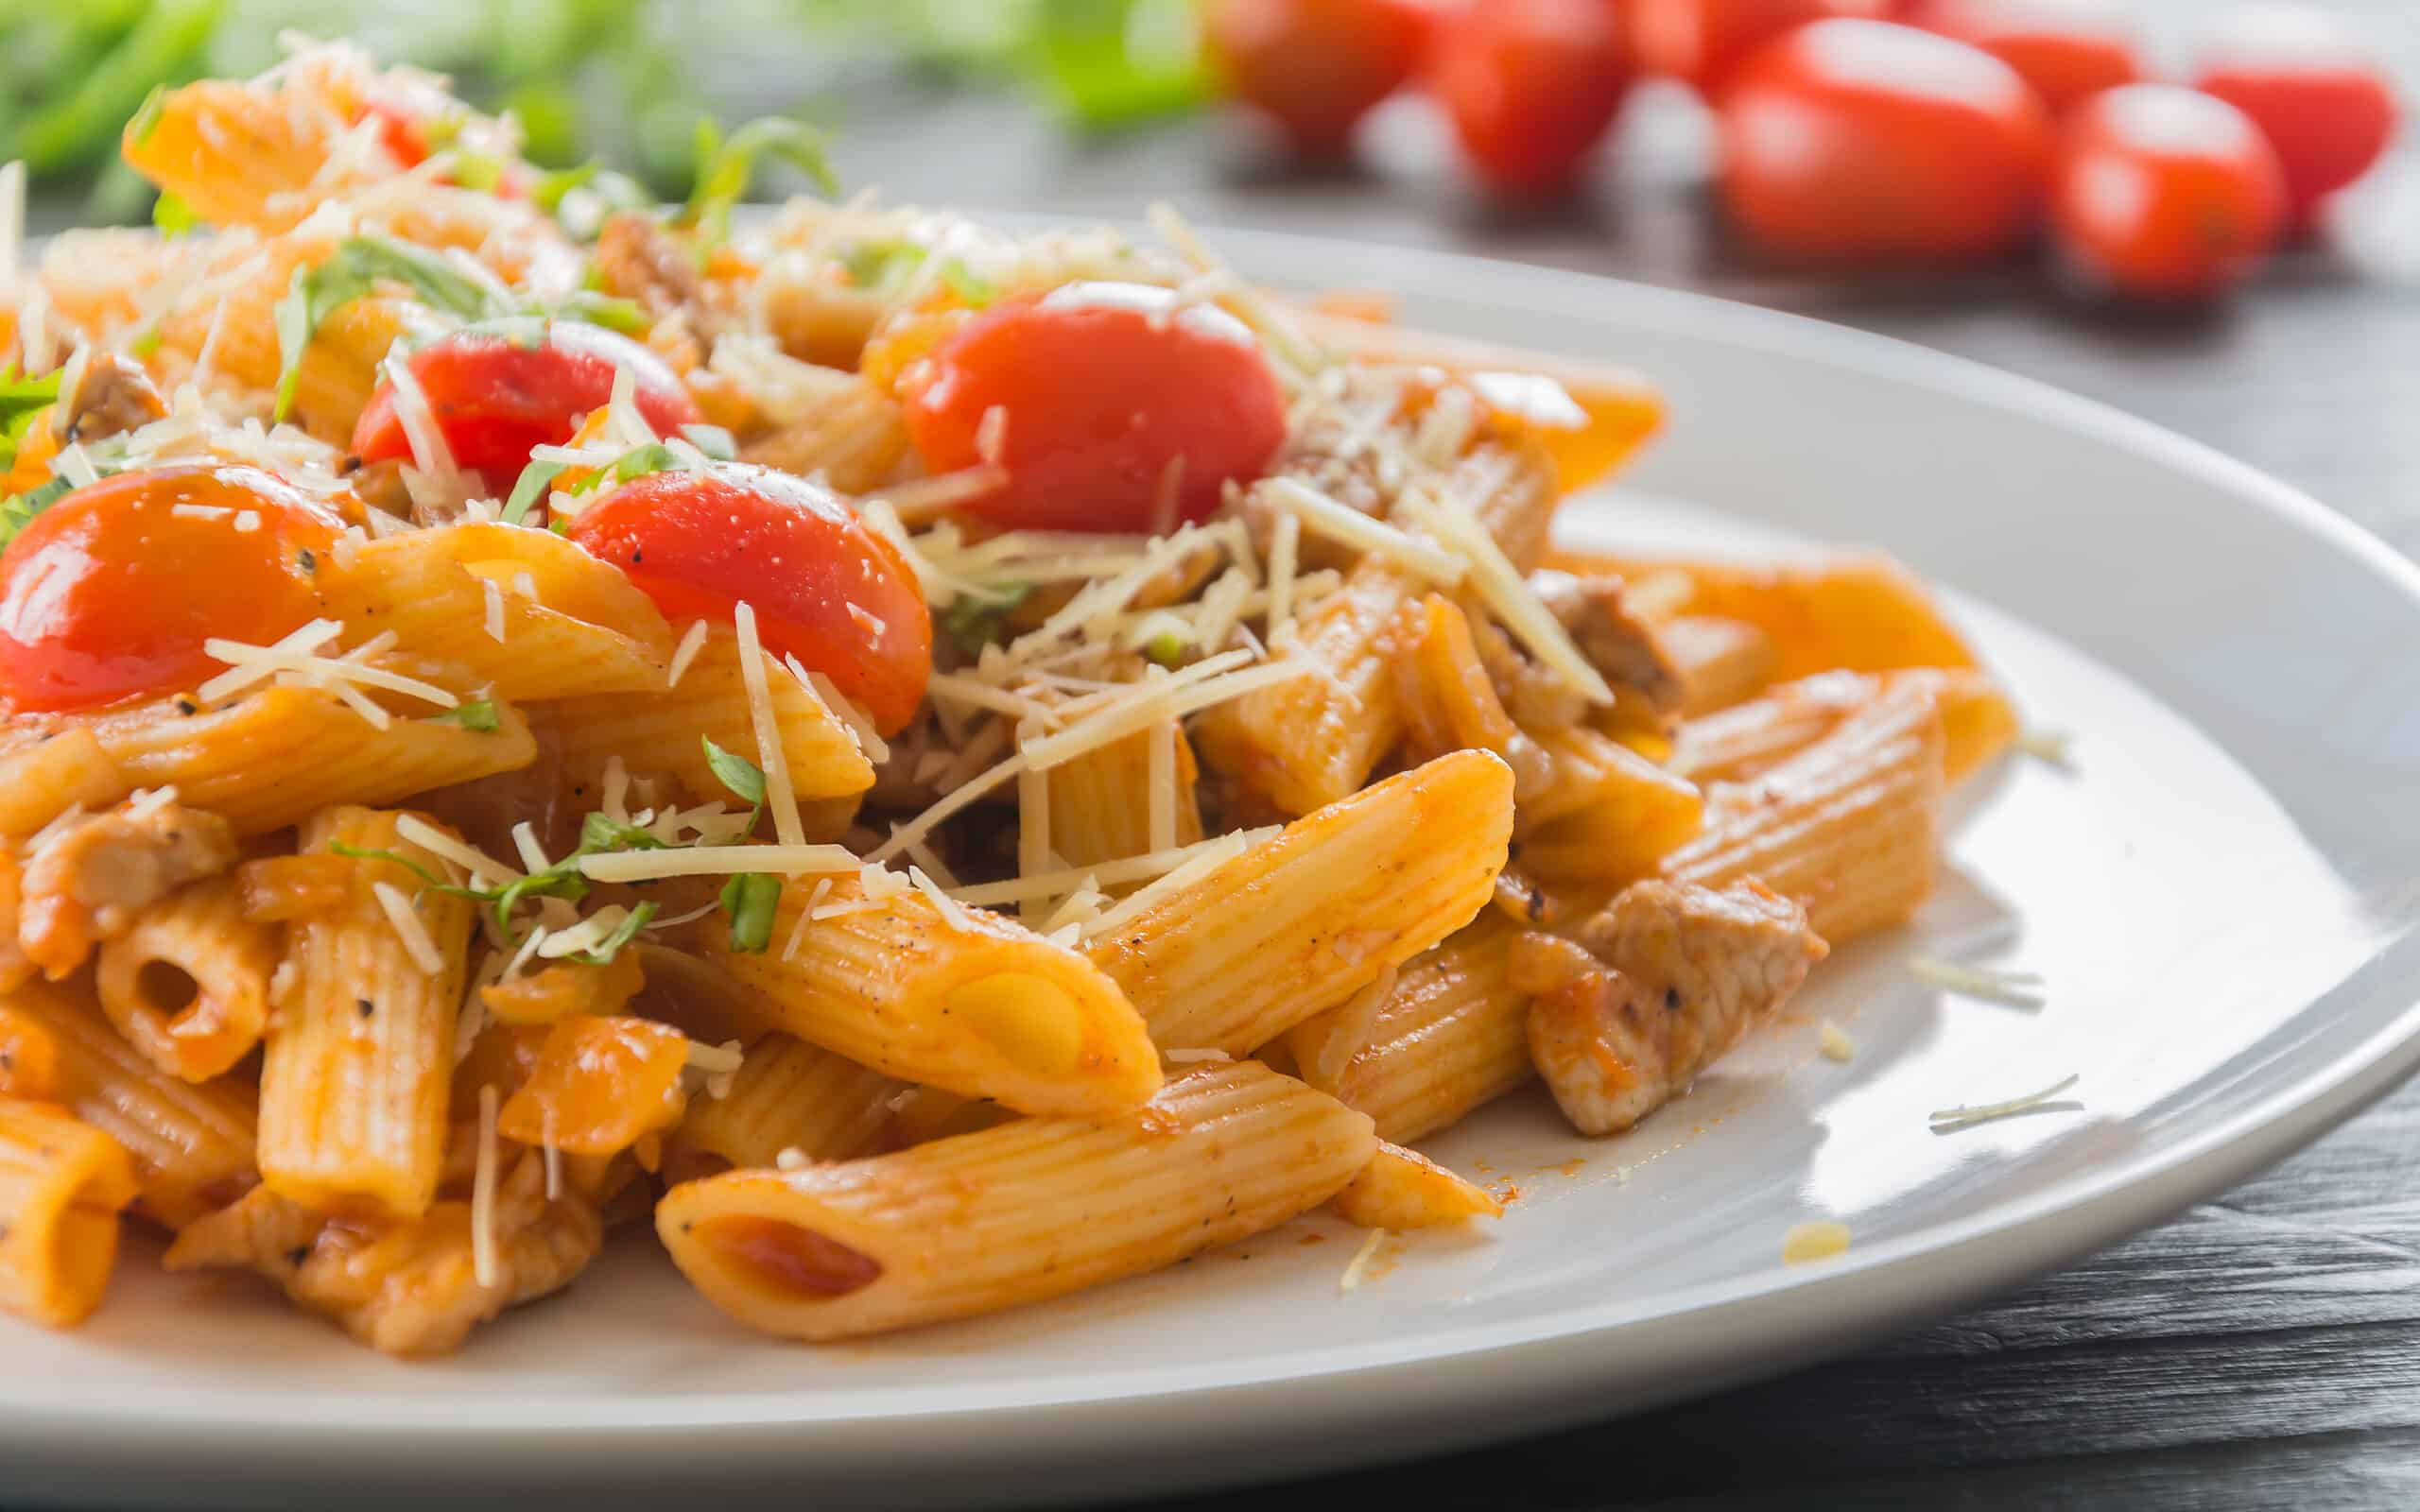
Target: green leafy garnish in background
column 726, row 166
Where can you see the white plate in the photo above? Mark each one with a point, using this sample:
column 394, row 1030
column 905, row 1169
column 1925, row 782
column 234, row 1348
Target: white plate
column 2218, row 895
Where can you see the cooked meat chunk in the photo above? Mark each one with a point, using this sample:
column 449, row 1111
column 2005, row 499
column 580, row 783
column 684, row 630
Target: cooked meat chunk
column 1687, row 973
column 1615, row 640
column 638, row 261
column 114, row 396
column 87, row 882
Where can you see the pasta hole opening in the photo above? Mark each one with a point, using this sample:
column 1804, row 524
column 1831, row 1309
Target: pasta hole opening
column 165, row 987
column 787, row 1261
column 1030, row 1021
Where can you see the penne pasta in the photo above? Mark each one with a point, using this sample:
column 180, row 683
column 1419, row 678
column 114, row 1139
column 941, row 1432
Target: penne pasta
column 1850, row 827
column 1403, row 1189
column 1720, row 662
column 1305, row 921
column 1605, row 814
column 787, row 1096
column 192, row 1144
column 62, row 1185
column 1978, row 723
column 42, row 780
column 1034, row 1208
column 355, row 1075
column 188, row 984
column 1099, row 806
column 963, row 1000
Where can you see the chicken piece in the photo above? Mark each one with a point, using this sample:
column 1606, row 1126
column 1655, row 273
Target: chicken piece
column 114, row 396
column 637, row 260
column 1616, row 641
column 87, row 882
column 1687, row 973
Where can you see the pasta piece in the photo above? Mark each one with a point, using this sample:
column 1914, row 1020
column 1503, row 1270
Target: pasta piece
column 1403, row 1189
column 236, row 320
column 43, row 780
column 1850, row 827
column 1612, row 411
column 237, row 154
column 62, row 1185
column 1606, row 813
column 339, row 370
column 657, row 732
column 1978, row 723
column 273, row 756
column 856, row 436
column 701, row 999
column 1101, row 802
column 1450, row 702
column 965, row 1000
column 188, row 984
column 1303, row 922
column 1860, row 613
column 566, row 988
column 1720, row 662
column 586, row 631
column 787, row 1095
column 355, row 1081
column 1034, row 1208
column 817, row 320
column 1451, row 1037
column 192, row 1144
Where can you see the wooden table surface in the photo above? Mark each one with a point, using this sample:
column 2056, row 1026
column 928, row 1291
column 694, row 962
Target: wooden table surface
column 2263, row 1349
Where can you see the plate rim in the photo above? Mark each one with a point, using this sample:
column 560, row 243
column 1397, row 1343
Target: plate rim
column 1986, row 1250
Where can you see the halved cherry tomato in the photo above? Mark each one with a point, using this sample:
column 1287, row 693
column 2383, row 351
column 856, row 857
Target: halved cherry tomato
column 1866, row 139
column 1102, row 391
column 2165, row 192
column 1315, row 67
column 110, row 593
column 400, row 131
column 1704, row 42
column 1531, row 87
column 825, row 586
column 2321, row 98
column 495, row 397
column 2068, row 50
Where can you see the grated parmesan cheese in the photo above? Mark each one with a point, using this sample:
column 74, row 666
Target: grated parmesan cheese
column 483, row 1173
column 693, row 640
column 1990, row 984
column 1355, row 1272
column 1508, row 595
column 1323, row 516
column 717, row 861
column 495, row 609
column 1209, row 857
column 414, row 935
column 484, row 870
column 1819, row 1239
column 1835, row 1041
column 1950, row 1119
column 773, row 758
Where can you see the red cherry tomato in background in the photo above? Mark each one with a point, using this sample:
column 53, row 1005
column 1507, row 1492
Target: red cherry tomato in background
column 1704, row 42
column 1100, row 390
column 2166, row 194
column 1315, row 67
column 110, row 593
column 825, row 586
column 2324, row 102
column 2068, row 50
column 1530, row 86
column 400, row 131
column 495, row 397
column 1870, row 140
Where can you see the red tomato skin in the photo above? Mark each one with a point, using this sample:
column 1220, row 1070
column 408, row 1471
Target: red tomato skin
column 698, row 543
column 1531, row 87
column 2166, row 194
column 400, row 132
column 1315, row 67
column 2325, row 103
column 1703, row 43
column 1098, row 395
column 1851, row 141
column 495, row 398
column 2068, row 50
column 109, row 594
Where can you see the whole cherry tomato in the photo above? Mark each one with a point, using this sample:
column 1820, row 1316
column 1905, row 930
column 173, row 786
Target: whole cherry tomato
column 2068, row 50
column 1530, row 86
column 2323, row 101
column 495, row 395
column 1704, row 42
column 1095, row 398
column 825, row 587
column 1315, row 67
column 2164, row 193
column 1870, row 140
column 110, row 592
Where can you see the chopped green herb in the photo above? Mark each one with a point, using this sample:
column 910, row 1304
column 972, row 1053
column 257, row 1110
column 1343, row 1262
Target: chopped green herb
column 479, row 715
column 592, row 308
column 482, row 171
column 22, row 401
column 1167, row 648
column 969, row 285
column 734, row 771
column 600, row 832
column 172, row 215
column 638, row 462
column 882, row 265
column 752, row 899
column 528, row 489
column 725, row 165
column 623, row 934
column 145, row 344
column 355, row 269
column 18, row 511
column 582, row 197
column 147, row 116
column 975, row 623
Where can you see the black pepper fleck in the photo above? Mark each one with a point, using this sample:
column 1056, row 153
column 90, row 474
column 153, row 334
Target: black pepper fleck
column 1672, row 999
column 364, row 1007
